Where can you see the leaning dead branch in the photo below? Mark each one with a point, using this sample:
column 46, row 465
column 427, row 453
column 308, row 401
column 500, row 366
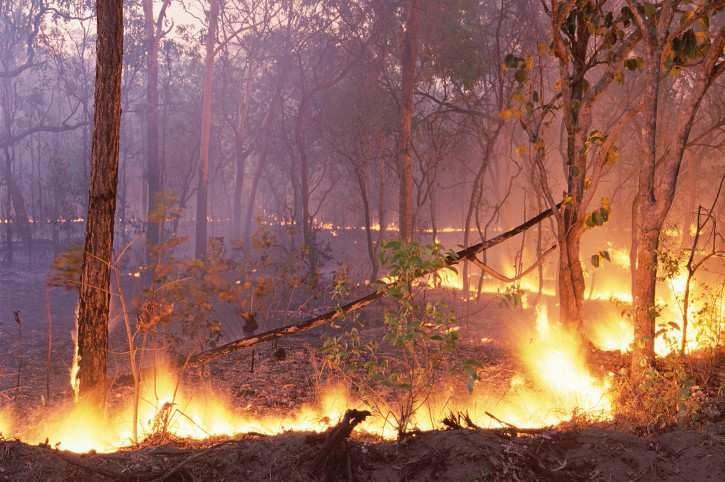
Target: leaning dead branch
column 501, row 277
column 325, row 318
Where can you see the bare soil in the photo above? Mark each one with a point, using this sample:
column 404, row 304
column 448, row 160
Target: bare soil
column 455, row 455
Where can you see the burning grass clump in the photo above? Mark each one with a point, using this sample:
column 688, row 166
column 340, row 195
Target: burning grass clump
column 678, row 391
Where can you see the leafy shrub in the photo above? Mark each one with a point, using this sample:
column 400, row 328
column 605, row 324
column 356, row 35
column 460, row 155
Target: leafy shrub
column 396, row 374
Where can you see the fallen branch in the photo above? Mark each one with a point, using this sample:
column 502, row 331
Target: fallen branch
column 513, row 429
column 96, row 469
column 191, row 458
column 355, row 305
column 501, row 277
column 337, row 436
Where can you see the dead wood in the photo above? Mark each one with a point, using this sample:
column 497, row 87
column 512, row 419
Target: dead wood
column 77, row 461
column 501, row 277
column 325, row 318
column 191, row 458
column 334, row 449
column 462, row 421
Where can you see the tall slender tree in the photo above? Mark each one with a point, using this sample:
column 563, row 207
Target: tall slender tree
column 152, row 32
column 408, row 62
column 671, row 41
column 94, row 298
column 206, row 97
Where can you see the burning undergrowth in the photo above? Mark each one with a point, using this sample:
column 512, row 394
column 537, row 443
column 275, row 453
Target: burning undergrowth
column 534, row 374
column 535, row 395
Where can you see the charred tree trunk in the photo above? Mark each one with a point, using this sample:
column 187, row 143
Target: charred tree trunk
column 207, row 87
column 405, row 149
column 94, row 298
column 238, row 190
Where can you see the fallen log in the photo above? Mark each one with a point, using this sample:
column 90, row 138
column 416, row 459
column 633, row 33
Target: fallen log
column 327, row 317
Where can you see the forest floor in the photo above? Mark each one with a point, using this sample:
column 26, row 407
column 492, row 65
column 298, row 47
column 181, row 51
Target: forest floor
column 452, row 455
column 280, row 384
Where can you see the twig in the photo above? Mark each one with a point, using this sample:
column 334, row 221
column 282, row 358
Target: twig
column 191, row 458
column 510, row 428
column 19, row 350
column 501, row 277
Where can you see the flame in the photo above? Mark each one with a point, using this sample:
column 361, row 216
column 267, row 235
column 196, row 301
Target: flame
column 554, row 386
column 5, row 425
column 617, row 333
column 556, row 360
column 75, row 366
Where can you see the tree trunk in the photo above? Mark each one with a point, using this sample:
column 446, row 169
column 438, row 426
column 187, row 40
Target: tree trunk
column 238, row 191
column 207, row 84
column 405, row 150
column 242, row 155
column 94, row 297
column 367, row 219
column 657, row 182
column 153, row 168
column 571, row 277
column 308, row 232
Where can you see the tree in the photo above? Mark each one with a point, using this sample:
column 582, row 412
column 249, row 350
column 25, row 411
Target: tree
column 409, row 58
column 206, row 97
column 675, row 34
column 584, row 35
column 94, row 297
column 153, row 33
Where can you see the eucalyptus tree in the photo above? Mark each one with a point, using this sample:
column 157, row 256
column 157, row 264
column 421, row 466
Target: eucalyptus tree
column 682, row 53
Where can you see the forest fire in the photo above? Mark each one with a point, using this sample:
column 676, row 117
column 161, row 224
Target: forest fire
column 362, row 240
column 616, row 332
column 537, row 397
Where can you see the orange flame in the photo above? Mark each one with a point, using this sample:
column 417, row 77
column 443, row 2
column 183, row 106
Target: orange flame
column 556, row 385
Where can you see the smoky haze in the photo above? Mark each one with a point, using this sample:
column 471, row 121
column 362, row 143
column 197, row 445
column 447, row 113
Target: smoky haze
column 279, row 122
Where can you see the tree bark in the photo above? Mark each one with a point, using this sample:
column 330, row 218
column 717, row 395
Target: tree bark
column 94, row 297
column 405, row 150
column 206, row 97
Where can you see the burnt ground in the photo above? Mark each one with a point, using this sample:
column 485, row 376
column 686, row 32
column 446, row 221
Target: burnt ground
column 455, row 455
column 581, row 452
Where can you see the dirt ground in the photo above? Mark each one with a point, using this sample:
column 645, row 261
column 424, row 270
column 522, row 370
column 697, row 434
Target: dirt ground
column 452, row 455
